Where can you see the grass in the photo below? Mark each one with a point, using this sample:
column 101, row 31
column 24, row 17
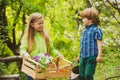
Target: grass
column 108, row 67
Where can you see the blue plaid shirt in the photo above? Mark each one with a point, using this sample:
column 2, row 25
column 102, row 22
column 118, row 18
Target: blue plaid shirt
column 88, row 45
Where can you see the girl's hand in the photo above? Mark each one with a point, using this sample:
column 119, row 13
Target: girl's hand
column 99, row 58
column 60, row 55
column 26, row 55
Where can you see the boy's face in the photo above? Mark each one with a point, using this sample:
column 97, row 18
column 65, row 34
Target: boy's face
column 86, row 21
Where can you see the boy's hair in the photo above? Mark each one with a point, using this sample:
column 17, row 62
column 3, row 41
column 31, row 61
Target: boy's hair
column 91, row 14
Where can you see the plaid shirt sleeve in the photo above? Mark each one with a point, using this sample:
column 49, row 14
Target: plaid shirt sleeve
column 98, row 34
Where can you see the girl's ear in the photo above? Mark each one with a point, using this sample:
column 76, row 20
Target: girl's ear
column 32, row 24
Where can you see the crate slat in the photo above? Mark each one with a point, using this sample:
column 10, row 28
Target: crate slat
column 33, row 69
column 26, row 63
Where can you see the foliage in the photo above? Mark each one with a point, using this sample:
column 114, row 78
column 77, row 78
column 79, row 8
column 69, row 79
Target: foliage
column 4, row 50
column 7, row 69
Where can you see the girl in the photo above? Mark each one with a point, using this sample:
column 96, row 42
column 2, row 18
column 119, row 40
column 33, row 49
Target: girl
column 35, row 41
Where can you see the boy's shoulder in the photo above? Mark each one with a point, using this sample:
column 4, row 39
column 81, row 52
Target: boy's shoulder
column 95, row 27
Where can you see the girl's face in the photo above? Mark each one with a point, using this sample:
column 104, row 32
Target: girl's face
column 38, row 25
column 86, row 21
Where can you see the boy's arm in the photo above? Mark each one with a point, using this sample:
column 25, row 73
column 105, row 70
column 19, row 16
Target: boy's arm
column 78, row 58
column 99, row 57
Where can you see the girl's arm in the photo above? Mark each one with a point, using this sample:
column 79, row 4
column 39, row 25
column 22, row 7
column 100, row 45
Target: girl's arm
column 23, row 48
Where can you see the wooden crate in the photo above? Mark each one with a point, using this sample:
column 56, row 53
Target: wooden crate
column 60, row 69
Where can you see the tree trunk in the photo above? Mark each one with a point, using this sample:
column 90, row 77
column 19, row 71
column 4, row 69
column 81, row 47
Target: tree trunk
column 3, row 28
column 4, row 37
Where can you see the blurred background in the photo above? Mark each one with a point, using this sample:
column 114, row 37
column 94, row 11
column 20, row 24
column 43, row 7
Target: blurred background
column 64, row 26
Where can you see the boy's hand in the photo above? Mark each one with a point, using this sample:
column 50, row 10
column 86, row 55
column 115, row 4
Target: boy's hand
column 78, row 58
column 99, row 58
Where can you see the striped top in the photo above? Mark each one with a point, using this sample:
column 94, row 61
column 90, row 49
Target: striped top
column 88, row 42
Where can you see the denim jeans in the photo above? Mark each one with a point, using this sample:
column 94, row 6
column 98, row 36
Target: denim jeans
column 29, row 77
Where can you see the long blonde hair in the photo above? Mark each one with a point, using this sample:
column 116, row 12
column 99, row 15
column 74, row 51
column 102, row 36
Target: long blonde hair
column 30, row 32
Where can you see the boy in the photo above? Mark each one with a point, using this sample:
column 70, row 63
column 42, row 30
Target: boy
column 90, row 44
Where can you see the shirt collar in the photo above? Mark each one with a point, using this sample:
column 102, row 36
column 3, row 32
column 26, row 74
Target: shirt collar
column 89, row 26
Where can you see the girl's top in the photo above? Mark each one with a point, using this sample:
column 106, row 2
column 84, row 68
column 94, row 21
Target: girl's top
column 40, row 46
column 88, row 43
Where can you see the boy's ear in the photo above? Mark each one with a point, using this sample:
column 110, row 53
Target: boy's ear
column 91, row 21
